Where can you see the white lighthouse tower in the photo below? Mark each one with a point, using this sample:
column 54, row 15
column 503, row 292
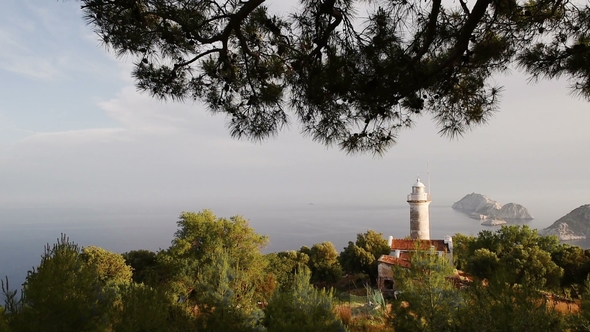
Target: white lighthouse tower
column 419, row 201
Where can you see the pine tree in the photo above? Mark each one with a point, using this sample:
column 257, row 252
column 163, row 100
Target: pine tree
column 428, row 300
column 351, row 82
column 303, row 308
column 63, row 294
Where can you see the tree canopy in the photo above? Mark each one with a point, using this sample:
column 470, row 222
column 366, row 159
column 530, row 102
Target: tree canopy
column 425, row 285
column 64, row 293
column 518, row 253
column 285, row 264
column 302, row 308
column 323, row 262
column 214, row 278
column 110, row 267
column 362, row 255
column 353, row 73
column 210, row 254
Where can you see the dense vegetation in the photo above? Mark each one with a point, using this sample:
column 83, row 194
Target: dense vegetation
column 214, row 277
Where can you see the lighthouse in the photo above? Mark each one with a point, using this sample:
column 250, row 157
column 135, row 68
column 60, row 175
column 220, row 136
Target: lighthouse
column 419, row 201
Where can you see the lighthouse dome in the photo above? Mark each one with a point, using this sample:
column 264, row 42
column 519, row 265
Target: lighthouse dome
column 418, row 187
column 418, row 184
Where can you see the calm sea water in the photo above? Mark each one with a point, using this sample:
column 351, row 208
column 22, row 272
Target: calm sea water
column 24, row 232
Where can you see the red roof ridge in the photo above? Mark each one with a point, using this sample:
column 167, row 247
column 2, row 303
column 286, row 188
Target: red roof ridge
column 410, row 244
column 403, row 260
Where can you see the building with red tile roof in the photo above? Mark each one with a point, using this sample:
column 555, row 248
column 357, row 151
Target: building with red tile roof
column 400, row 256
column 419, row 240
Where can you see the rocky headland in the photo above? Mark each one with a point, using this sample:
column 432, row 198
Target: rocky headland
column 481, row 207
column 573, row 226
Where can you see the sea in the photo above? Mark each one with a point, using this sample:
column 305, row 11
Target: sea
column 24, row 232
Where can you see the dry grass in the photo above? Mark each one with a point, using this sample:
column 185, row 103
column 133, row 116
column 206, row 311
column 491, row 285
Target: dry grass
column 357, row 319
column 369, row 324
column 566, row 307
column 345, row 313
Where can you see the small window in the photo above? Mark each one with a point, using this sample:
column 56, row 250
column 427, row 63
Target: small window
column 388, row 284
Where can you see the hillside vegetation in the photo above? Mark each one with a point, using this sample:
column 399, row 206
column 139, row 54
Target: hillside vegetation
column 214, row 277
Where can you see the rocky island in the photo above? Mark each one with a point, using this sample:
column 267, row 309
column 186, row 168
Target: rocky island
column 481, row 207
column 493, row 222
column 573, row 226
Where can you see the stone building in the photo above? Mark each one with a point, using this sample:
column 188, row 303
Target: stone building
column 400, row 255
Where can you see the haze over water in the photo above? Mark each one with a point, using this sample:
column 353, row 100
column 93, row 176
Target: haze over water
column 24, row 232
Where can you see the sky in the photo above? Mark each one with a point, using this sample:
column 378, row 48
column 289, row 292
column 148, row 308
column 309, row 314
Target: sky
column 75, row 133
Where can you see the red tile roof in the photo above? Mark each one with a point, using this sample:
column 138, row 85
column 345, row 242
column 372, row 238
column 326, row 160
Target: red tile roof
column 403, row 244
column 403, row 260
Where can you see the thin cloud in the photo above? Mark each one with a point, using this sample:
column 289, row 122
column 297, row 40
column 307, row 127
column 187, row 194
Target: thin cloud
column 73, row 137
column 145, row 124
column 34, row 67
column 36, row 43
column 16, row 57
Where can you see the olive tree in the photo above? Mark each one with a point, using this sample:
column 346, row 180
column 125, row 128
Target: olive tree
column 323, row 262
column 362, row 255
column 517, row 253
column 212, row 258
column 110, row 267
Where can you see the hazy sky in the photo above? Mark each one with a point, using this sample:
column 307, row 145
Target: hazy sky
column 75, row 133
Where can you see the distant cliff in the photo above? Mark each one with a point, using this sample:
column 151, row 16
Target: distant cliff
column 479, row 206
column 573, row 226
column 514, row 211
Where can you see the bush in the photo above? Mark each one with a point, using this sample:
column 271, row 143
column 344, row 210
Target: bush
column 304, row 308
